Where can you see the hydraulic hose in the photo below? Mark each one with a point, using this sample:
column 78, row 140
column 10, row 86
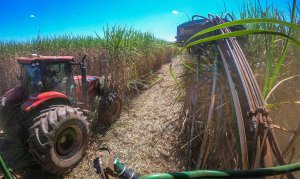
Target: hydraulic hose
column 259, row 172
column 5, row 169
column 122, row 172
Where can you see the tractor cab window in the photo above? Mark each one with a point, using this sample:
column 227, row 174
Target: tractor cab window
column 31, row 78
column 56, row 77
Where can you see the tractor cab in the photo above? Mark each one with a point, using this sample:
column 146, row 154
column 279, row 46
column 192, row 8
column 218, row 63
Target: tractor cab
column 47, row 73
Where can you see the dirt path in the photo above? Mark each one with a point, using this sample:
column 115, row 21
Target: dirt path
column 144, row 137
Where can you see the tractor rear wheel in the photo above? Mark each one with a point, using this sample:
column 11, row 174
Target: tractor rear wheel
column 58, row 138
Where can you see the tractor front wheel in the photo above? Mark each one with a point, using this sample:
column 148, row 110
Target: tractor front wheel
column 110, row 108
column 116, row 108
column 58, row 138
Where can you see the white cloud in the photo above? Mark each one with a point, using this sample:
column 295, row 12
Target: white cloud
column 175, row 12
column 32, row 16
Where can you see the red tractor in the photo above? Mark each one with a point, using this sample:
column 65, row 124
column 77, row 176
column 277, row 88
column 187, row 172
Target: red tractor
column 46, row 109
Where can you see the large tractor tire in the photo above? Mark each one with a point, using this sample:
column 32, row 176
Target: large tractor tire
column 110, row 108
column 58, row 138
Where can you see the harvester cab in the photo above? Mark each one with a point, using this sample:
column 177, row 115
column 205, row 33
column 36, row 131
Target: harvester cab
column 46, row 110
column 189, row 28
column 199, row 23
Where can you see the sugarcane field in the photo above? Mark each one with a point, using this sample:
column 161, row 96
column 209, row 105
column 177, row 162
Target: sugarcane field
column 150, row 89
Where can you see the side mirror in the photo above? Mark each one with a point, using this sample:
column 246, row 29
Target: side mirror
column 83, row 62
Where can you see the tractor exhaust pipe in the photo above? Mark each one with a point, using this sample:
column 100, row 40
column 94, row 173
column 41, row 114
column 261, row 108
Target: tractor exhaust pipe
column 83, row 70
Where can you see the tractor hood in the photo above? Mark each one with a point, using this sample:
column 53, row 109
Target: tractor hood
column 89, row 78
column 92, row 86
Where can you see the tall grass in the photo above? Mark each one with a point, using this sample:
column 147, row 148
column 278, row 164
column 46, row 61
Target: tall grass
column 273, row 47
column 133, row 54
column 207, row 127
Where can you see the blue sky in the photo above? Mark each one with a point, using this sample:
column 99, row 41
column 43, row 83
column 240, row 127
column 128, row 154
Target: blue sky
column 23, row 19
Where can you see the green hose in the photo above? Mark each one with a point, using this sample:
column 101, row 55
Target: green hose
column 5, row 169
column 259, row 172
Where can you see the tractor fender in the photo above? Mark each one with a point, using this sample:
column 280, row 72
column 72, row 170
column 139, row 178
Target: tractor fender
column 40, row 98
